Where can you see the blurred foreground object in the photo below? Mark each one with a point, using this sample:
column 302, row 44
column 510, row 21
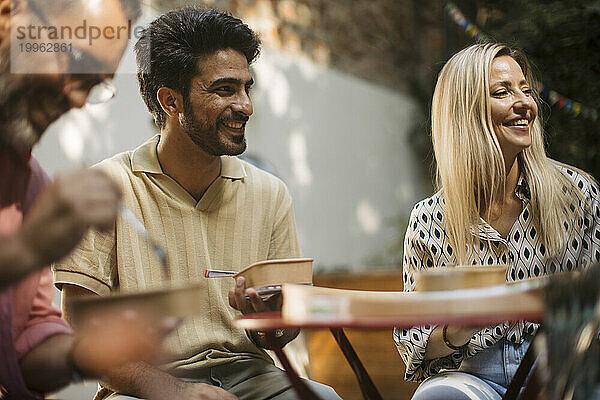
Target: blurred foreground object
column 40, row 222
column 116, row 336
column 151, row 305
column 571, row 369
column 459, row 277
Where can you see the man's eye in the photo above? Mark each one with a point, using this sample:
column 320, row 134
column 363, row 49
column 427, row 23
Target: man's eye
column 224, row 89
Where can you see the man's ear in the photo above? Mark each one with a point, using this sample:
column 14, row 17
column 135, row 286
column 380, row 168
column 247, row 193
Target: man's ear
column 170, row 101
column 8, row 8
column 5, row 11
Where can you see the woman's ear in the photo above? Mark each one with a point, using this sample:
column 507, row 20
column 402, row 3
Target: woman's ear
column 170, row 101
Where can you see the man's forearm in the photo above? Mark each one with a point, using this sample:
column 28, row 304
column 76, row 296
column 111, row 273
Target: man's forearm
column 47, row 366
column 144, row 381
column 16, row 261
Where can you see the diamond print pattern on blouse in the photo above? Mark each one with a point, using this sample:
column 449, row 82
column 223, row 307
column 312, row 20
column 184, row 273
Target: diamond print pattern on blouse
column 426, row 245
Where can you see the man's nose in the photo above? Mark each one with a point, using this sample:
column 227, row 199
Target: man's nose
column 243, row 105
column 76, row 95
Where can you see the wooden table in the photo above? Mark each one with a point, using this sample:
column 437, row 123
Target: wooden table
column 269, row 322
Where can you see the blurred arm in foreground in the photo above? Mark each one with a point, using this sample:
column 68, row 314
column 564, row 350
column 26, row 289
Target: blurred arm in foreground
column 40, row 222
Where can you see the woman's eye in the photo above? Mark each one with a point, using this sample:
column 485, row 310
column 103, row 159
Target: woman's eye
column 500, row 93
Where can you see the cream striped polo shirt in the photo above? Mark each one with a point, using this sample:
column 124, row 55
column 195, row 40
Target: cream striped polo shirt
column 245, row 216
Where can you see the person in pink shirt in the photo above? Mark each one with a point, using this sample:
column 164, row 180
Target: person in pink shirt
column 40, row 221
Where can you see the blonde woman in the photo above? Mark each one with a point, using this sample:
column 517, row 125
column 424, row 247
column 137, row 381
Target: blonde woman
column 501, row 200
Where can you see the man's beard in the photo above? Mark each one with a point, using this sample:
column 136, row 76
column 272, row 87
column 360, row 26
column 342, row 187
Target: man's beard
column 208, row 137
column 18, row 94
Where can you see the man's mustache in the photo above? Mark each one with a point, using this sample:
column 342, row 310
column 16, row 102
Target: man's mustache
column 234, row 116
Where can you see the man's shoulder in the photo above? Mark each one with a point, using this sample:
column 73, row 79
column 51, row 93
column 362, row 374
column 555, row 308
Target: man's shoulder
column 142, row 158
column 118, row 166
column 118, row 161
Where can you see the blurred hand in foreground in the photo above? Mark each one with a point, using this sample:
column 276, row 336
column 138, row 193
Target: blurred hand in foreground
column 65, row 211
column 109, row 340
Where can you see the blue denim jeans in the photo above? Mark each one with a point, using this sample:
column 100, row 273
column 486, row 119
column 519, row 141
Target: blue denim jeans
column 485, row 376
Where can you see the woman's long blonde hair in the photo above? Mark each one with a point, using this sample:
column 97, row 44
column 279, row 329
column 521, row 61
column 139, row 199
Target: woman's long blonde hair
column 470, row 165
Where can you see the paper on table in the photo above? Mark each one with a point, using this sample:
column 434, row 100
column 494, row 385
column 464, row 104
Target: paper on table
column 305, row 304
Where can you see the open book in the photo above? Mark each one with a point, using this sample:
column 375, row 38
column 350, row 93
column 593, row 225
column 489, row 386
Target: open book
column 271, row 272
column 308, row 305
column 180, row 301
column 268, row 276
column 459, row 277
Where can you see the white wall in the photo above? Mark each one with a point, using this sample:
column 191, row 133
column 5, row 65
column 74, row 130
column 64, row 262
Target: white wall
column 341, row 145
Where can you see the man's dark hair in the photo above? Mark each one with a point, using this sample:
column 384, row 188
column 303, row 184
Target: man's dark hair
column 168, row 51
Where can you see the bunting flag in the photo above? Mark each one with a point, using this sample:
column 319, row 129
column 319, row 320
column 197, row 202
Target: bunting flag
column 471, row 29
column 574, row 108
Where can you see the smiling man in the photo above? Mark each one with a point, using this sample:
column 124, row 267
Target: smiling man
column 209, row 208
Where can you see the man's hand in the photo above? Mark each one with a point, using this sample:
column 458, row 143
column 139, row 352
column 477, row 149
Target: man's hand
column 254, row 303
column 64, row 212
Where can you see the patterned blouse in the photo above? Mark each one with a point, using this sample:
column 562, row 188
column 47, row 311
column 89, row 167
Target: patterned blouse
column 427, row 245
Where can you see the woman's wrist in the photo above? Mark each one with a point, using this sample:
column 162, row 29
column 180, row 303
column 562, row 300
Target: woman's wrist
column 449, row 340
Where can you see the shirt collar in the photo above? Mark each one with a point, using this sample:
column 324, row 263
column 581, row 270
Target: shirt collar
column 232, row 168
column 145, row 159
